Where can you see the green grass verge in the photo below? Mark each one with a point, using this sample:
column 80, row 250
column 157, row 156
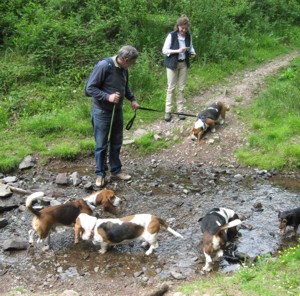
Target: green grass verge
column 268, row 277
column 274, row 118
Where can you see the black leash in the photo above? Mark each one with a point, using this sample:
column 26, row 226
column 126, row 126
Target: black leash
column 130, row 123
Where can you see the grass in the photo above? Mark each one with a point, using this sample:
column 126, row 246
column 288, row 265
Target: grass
column 274, row 117
column 52, row 118
column 268, row 277
column 147, row 144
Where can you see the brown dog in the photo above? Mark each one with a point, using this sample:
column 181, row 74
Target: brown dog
column 65, row 214
column 207, row 119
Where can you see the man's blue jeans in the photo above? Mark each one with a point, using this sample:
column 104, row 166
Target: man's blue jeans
column 101, row 120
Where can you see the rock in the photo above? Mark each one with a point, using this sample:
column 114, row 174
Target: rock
column 238, row 177
column 159, row 291
column 69, row 293
column 8, row 206
column 62, row 179
column 5, row 191
column 128, row 142
column 139, row 132
column 27, row 162
column 88, row 185
column 75, row 177
column 3, row 222
column 10, row 179
column 15, row 244
column 177, row 275
column 138, row 273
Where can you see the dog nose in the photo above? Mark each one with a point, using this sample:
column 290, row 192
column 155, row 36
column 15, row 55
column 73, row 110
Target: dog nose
column 193, row 137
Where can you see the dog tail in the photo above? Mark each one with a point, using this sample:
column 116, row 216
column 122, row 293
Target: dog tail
column 233, row 223
column 36, row 196
column 164, row 224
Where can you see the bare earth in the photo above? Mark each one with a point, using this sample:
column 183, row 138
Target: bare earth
column 237, row 92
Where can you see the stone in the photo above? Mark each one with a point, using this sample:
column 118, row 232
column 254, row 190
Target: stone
column 15, row 244
column 27, row 163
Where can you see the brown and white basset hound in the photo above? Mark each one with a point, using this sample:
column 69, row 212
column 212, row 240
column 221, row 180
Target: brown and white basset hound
column 207, row 119
column 218, row 227
column 117, row 231
column 65, row 214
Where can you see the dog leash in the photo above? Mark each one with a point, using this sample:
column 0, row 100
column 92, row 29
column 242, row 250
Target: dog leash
column 131, row 121
column 109, row 134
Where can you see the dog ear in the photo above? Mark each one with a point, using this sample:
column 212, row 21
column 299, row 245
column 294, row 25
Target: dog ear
column 110, row 208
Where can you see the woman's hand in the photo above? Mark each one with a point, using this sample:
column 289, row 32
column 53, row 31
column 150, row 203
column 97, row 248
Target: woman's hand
column 183, row 49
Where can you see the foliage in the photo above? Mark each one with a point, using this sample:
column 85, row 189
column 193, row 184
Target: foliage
column 49, row 47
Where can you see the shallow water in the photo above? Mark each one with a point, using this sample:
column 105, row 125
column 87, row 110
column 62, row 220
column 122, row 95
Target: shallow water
column 179, row 195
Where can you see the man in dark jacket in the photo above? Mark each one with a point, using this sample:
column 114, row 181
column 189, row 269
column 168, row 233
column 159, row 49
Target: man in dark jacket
column 108, row 86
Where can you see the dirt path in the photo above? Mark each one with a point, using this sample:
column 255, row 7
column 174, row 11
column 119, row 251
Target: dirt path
column 237, row 91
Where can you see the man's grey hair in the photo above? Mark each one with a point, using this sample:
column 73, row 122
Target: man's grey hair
column 129, row 52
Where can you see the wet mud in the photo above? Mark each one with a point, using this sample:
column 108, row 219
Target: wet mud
column 180, row 195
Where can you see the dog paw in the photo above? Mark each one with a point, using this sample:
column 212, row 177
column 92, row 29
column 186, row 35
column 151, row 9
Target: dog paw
column 144, row 244
column 206, row 269
column 149, row 252
column 45, row 248
column 222, row 121
column 213, row 130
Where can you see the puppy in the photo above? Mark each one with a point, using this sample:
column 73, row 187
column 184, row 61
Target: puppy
column 218, row 227
column 116, row 231
column 207, row 119
column 65, row 214
column 289, row 218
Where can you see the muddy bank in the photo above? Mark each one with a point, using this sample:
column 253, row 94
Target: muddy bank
column 181, row 194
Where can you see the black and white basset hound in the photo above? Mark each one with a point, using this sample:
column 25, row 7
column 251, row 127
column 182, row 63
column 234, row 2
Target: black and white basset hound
column 218, row 226
column 207, row 119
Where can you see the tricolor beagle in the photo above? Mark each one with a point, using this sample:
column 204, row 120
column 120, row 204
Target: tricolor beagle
column 65, row 214
column 207, row 118
column 218, row 226
column 289, row 218
column 117, row 231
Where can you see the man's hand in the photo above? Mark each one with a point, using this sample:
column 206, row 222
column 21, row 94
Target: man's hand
column 134, row 105
column 114, row 98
